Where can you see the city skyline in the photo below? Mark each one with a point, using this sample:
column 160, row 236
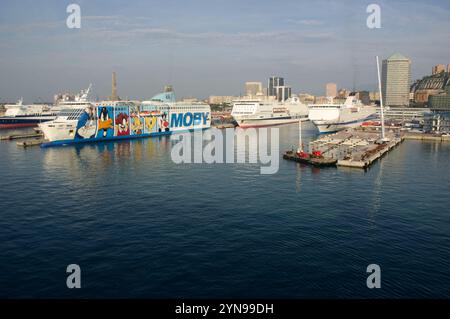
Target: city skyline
column 151, row 45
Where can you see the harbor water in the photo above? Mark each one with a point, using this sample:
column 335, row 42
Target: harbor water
column 141, row 226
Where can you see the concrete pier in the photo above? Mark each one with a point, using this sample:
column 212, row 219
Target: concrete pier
column 355, row 148
column 426, row 137
column 33, row 142
column 19, row 136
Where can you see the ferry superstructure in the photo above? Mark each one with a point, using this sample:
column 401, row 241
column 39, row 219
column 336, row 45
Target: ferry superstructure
column 331, row 117
column 258, row 112
column 112, row 120
column 80, row 100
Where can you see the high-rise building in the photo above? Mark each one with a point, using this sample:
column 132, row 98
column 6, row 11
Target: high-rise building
column 438, row 69
column 253, row 88
column 277, row 88
column 273, row 82
column 331, row 90
column 283, row 93
column 395, row 80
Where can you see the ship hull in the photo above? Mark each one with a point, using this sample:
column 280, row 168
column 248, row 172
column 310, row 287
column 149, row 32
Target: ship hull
column 248, row 123
column 17, row 122
column 326, row 127
column 332, row 119
column 18, row 125
column 116, row 138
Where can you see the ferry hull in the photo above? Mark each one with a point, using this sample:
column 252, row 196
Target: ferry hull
column 18, row 123
column 326, row 127
column 115, row 138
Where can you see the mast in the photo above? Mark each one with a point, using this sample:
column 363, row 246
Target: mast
column 383, row 137
column 300, row 146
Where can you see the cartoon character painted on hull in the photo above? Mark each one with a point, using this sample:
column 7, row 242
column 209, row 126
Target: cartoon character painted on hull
column 137, row 125
column 105, row 122
column 86, row 125
column 150, row 124
column 122, row 125
column 163, row 123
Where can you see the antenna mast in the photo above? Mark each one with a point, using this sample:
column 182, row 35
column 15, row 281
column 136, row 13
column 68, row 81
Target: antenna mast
column 383, row 137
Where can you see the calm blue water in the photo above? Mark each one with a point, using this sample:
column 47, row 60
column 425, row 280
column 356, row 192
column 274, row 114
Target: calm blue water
column 141, row 226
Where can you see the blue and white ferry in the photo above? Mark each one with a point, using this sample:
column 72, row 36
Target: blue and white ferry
column 331, row 117
column 115, row 120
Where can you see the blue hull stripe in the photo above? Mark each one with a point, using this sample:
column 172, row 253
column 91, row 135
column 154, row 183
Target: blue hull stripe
column 115, row 138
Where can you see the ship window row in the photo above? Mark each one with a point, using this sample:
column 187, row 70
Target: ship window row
column 174, row 108
column 71, row 114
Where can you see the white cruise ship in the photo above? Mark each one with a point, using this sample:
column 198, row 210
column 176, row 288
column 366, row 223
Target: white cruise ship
column 329, row 118
column 257, row 112
column 20, row 115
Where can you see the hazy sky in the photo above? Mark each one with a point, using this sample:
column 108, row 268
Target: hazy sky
column 210, row 47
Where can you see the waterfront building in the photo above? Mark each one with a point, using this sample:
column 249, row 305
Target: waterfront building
column 437, row 123
column 396, row 73
column 331, row 90
column 404, row 114
column 321, row 100
column 440, row 102
column 306, row 98
column 438, row 69
column 221, row 99
column 429, row 85
column 253, row 88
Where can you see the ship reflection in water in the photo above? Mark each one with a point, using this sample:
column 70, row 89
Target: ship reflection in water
column 141, row 226
column 99, row 157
